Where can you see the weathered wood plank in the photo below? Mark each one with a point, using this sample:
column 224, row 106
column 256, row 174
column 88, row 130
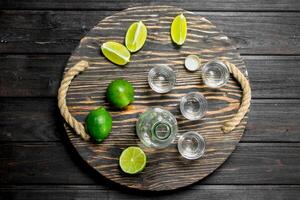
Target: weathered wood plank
column 60, row 31
column 26, row 119
column 55, row 163
column 26, row 75
column 88, row 91
column 204, row 192
column 273, row 120
column 224, row 192
column 255, row 5
column 269, row 121
column 274, row 77
column 291, row 111
column 40, row 75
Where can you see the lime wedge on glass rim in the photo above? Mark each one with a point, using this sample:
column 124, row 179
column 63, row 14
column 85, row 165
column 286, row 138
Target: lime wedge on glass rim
column 179, row 29
column 116, row 52
column 132, row 160
column 136, row 36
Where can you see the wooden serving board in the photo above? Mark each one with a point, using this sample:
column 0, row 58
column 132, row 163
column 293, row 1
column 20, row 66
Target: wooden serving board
column 165, row 169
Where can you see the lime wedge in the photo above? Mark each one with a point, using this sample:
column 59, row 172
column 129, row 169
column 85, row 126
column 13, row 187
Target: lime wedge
column 179, row 29
column 116, row 53
column 132, row 160
column 136, row 36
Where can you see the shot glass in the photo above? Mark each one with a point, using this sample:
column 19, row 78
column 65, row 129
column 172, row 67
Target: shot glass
column 191, row 145
column 215, row 74
column 162, row 78
column 193, row 106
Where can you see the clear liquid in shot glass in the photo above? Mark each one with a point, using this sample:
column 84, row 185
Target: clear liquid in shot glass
column 161, row 79
column 193, row 106
column 191, row 145
column 215, row 74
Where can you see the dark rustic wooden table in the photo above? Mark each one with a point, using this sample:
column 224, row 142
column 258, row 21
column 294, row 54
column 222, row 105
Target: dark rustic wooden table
column 37, row 161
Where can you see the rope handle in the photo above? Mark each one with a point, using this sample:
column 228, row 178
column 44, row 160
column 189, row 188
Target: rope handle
column 245, row 85
column 82, row 65
column 62, row 102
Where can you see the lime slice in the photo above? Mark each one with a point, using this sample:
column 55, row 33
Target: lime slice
column 132, row 160
column 115, row 52
column 136, row 36
column 179, row 29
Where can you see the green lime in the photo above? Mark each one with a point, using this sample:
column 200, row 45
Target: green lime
column 120, row 93
column 136, row 36
column 116, row 52
column 132, row 160
column 179, row 29
column 98, row 124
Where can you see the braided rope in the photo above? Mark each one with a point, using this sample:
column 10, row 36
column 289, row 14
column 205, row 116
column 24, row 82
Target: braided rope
column 82, row 65
column 239, row 76
column 62, row 103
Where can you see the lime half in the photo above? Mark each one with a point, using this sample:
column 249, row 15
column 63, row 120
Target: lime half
column 179, row 29
column 136, row 36
column 116, row 52
column 132, row 160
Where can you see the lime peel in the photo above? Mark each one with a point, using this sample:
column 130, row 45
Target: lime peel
column 120, row 93
column 98, row 124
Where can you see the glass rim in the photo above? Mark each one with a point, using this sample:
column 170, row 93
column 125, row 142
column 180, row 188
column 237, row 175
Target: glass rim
column 159, row 109
column 201, row 97
column 154, row 130
column 202, row 140
column 170, row 70
column 219, row 62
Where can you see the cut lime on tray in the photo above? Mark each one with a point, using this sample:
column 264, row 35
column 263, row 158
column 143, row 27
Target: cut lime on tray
column 136, row 36
column 179, row 29
column 116, row 52
column 132, row 160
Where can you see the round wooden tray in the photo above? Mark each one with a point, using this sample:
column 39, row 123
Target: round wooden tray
column 166, row 169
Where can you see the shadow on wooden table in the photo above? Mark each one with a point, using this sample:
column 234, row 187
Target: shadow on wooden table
column 103, row 181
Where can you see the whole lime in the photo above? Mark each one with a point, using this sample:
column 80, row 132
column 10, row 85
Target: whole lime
column 98, row 124
column 120, row 93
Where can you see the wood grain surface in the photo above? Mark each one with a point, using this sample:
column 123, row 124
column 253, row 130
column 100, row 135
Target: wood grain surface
column 58, row 164
column 37, row 160
column 165, row 169
column 207, row 192
column 212, row 5
column 40, row 76
column 49, row 32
